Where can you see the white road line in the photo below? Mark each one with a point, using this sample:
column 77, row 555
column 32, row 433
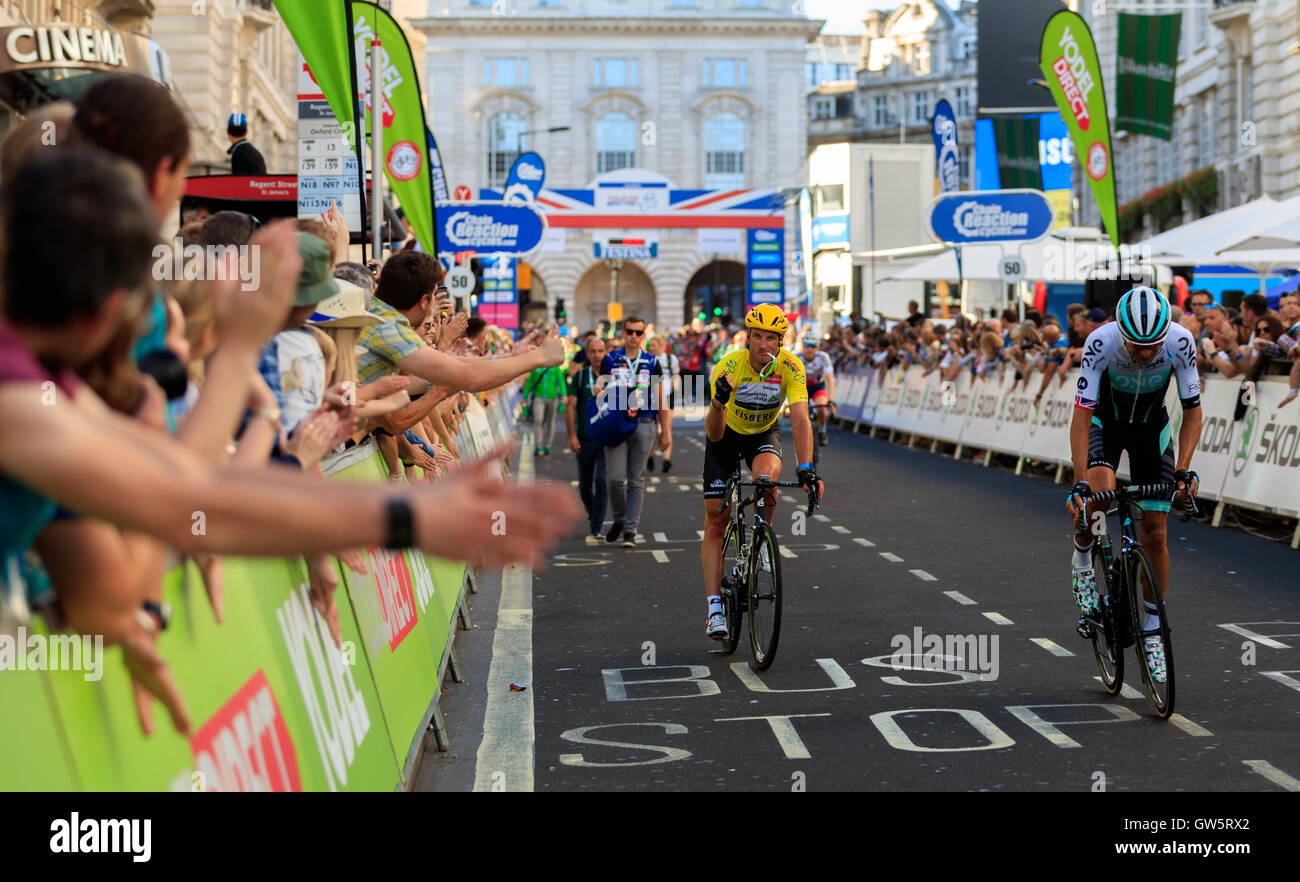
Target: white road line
column 821, row 517
column 998, row 618
column 960, row 598
column 865, row 543
column 661, row 537
column 571, row 483
column 1125, row 690
column 506, row 752
column 1193, row 729
column 651, row 489
column 1274, row 774
column 785, row 552
column 660, row 555
column 699, row 533
column 786, row 734
column 891, row 557
column 1053, row 648
column 684, row 487
column 838, row 529
column 923, row 575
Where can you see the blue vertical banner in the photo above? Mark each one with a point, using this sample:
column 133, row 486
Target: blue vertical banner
column 524, row 183
column 765, row 266
column 947, row 162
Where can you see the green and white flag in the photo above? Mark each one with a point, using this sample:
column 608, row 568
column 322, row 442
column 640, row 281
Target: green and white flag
column 1017, row 146
column 1067, row 56
column 1146, row 61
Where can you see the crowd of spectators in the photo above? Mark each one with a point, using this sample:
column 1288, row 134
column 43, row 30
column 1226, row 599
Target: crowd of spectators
column 145, row 412
column 1231, row 342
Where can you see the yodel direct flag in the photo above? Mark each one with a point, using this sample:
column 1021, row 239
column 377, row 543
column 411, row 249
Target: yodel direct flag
column 1146, row 60
column 406, row 138
column 1067, row 56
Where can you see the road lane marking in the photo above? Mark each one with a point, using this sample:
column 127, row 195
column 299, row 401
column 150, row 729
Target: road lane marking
column 1272, row 773
column 891, row 557
column 865, row 543
column 785, row 733
column 821, row 517
column 661, row 556
column 785, row 552
column 960, row 598
column 661, row 537
column 923, row 575
column 1193, row 729
column 998, row 618
column 1050, row 646
column 1125, row 690
column 506, row 753
column 685, row 488
column 838, row 529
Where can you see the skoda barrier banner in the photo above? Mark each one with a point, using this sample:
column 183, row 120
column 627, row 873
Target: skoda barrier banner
column 490, row 228
column 982, row 216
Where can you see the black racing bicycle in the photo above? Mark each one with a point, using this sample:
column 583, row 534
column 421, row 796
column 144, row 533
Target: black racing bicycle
column 751, row 570
column 1121, row 577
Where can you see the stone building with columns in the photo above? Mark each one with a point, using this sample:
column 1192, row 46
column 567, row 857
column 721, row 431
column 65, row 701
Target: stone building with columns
column 682, row 97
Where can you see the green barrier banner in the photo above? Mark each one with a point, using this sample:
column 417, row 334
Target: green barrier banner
column 275, row 704
column 1146, row 61
column 320, row 29
column 1068, row 59
column 406, row 138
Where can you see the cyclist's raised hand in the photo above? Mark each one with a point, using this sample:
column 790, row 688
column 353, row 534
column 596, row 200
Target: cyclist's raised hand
column 722, row 390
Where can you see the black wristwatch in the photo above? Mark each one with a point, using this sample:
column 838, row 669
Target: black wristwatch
column 161, row 613
column 399, row 527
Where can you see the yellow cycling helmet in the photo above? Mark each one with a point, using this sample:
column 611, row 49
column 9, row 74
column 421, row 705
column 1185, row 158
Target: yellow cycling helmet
column 767, row 317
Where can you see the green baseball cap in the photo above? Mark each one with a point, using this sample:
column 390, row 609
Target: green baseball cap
column 316, row 281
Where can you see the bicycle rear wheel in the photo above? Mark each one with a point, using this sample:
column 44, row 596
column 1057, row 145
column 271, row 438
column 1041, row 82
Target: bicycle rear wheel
column 1106, row 649
column 733, row 587
column 1160, row 690
column 764, row 598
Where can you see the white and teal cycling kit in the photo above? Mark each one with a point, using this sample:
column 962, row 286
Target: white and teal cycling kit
column 1127, row 402
column 816, row 370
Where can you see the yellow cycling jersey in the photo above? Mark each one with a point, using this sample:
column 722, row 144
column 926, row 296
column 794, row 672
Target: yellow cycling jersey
column 755, row 400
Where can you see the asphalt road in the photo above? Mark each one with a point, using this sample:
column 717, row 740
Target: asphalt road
column 626, row 692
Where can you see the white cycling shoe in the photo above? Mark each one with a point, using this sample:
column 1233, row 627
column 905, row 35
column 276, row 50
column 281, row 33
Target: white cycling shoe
column 716, row 626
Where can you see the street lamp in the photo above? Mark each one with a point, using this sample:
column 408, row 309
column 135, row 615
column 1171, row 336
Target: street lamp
column 539, row 131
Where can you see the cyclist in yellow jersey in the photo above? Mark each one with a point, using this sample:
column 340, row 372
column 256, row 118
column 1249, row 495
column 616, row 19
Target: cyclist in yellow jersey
column 749, row 387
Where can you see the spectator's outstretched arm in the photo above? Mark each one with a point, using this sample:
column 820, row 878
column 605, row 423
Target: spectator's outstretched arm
column 93, row 465
column 399, row 421
column 477, row 376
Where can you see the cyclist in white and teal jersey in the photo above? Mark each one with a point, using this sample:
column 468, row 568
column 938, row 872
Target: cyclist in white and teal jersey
column 1119, row 406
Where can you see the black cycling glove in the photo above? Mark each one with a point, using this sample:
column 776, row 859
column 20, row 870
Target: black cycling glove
column 722, row 390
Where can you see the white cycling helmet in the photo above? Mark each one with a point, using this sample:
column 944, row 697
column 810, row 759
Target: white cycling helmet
column 1143, row 315
column 811, row 339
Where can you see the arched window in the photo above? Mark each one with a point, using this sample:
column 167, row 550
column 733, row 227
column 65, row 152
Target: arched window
column 503, row 146
column 615, row 142
column 724, row 152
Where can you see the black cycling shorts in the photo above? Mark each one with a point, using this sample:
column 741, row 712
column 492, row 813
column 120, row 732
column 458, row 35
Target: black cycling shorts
column 721, row 459
column 1150, row 453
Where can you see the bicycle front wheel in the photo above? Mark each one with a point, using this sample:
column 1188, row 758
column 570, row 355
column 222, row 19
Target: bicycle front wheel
column 733, row 587
column 1157, row 672
column 764, row 597
column 1106, row 648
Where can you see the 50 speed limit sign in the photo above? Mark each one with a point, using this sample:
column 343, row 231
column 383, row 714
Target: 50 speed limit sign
column 1012, row 269
column 460, row 281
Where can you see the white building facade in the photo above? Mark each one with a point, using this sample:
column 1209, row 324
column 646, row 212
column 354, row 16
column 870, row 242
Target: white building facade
column 1236, row 105
column 704, row 95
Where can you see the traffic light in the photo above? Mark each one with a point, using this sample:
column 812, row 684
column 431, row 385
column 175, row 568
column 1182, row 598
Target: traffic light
column 717, row 311
column 560, row 313
column 703, row 316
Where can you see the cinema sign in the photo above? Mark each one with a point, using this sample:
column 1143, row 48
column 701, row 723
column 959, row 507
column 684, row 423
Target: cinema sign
column 27, row 47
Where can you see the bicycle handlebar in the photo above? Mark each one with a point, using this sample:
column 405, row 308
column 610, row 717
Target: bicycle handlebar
column 1147, row 491
column 763, row 485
